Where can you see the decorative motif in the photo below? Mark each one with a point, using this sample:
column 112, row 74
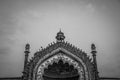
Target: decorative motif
column 56, row 58
column 67, row 53
column 27, row 47
column 56, row 51
column 93, row 46
column 60, row 36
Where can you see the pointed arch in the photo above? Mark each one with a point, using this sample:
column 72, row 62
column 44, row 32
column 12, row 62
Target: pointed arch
column 60, row 53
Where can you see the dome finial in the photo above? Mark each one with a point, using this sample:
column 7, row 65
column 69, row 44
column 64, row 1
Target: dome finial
column 60, row 36
column 93, row 46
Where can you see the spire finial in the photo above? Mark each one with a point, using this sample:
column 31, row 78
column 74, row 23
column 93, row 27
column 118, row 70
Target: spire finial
column 93, row 48
column 27, row 51
column 27, row 47
column 60, row 36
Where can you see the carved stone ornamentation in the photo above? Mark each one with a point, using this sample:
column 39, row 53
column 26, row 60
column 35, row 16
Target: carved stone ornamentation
column 56, row 58
column 49, row 57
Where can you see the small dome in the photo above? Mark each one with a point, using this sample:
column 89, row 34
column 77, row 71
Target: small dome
column 60, row 36
column 93, row 46
column 27, row 47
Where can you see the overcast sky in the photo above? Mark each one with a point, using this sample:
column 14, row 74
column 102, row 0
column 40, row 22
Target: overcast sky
column 37, row 22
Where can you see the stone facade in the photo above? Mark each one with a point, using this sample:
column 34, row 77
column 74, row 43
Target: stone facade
column 60, row 60
column 60, row 50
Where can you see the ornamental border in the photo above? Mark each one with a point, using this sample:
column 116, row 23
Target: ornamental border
column 52, row 53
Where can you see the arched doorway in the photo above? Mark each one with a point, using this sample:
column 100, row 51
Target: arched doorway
column 60, row 71
column 60, row 67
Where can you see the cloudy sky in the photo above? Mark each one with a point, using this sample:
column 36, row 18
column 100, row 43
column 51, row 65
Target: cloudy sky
column 37, row 22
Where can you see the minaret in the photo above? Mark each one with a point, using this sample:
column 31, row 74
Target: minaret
column 27, row 51
column 60, row 36
column 93, row 48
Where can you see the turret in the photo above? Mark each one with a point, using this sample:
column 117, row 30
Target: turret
column 27, row 51
column 60, row 36
column 93, row 48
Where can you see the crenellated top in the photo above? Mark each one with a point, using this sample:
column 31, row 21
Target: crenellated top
column 60, row 43
column 65, row 45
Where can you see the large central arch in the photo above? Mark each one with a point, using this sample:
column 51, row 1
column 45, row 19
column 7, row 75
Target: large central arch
column 55, row 56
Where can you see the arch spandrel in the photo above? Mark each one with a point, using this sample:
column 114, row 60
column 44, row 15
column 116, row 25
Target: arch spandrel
column 65, row 56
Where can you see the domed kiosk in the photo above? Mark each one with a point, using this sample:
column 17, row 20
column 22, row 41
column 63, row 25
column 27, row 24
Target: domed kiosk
column 60, row 61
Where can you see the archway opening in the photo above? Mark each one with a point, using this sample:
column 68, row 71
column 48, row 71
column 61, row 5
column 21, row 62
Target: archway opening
column 60, row 71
